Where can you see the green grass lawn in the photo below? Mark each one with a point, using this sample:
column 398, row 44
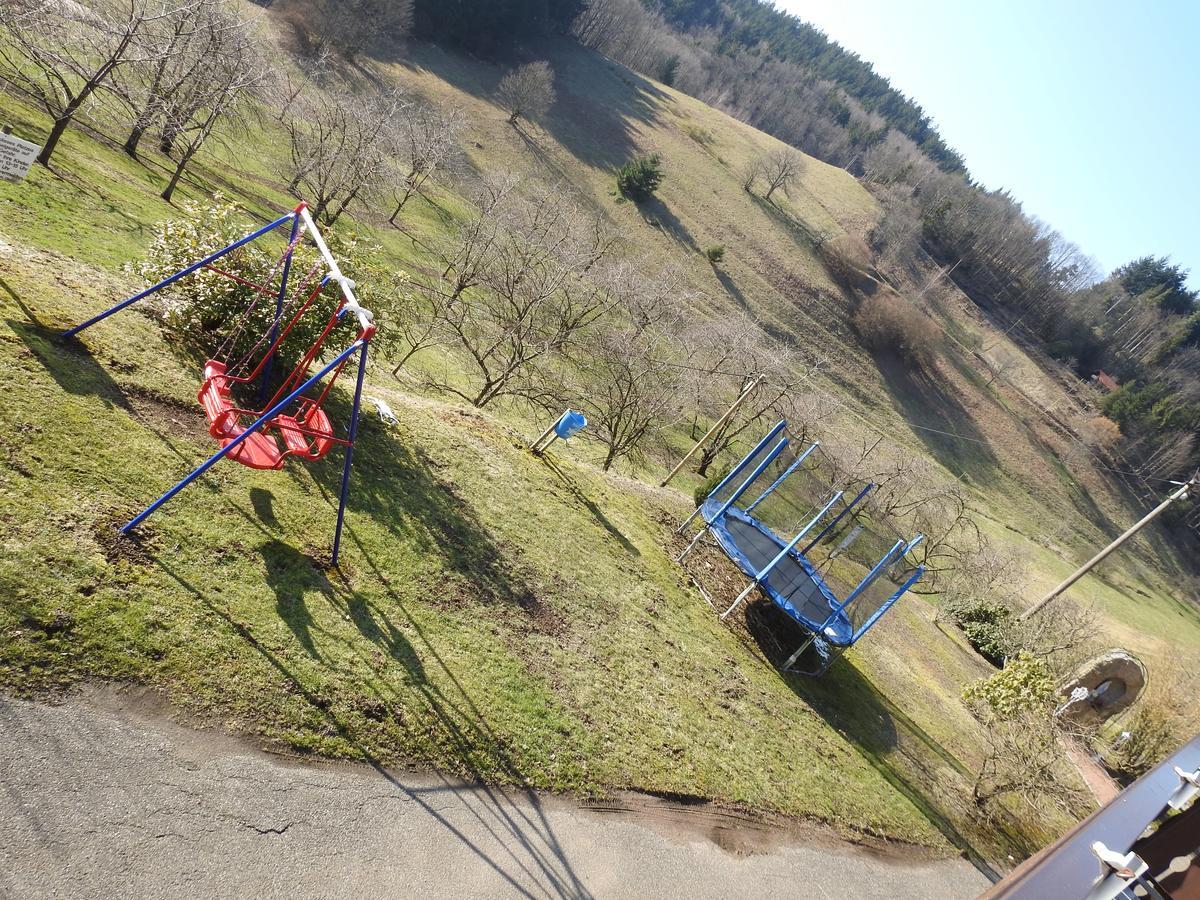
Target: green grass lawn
column 497, row 616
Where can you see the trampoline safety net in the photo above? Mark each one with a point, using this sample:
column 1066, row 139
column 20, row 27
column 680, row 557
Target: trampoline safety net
column 811, row 536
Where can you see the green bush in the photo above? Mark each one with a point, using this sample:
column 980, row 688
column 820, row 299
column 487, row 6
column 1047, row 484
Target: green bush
column 205, row 311
column 715, row 253
column 988, row 625
column 1023, row 686
column 639, row 178
column 702, row 491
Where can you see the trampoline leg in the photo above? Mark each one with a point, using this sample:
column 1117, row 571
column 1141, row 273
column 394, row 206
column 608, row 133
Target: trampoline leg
column 742, row 596
column 684, row 524
column 688, row 549
column 791, row 660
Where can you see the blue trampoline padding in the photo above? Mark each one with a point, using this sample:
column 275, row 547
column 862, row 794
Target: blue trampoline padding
column 806, row 597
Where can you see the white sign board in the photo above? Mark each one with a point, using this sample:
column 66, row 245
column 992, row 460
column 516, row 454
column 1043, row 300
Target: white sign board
column 16, row 156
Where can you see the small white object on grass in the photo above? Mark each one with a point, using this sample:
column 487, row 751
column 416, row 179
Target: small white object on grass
column 385, row 412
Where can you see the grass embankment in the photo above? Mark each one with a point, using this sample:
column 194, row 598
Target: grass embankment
column 498, row 616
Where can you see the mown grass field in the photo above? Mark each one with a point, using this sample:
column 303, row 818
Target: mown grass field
column 497, row 616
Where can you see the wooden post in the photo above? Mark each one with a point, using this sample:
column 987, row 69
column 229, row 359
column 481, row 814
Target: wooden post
column 1099, row 557
column 721, row 421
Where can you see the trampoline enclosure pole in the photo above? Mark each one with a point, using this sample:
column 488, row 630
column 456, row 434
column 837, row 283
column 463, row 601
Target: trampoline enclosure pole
column 758, row 470
column 736, row 470
column 845, row 512
column 891, row 601
column 786, row 472
column 745, row 485
column 886, row 560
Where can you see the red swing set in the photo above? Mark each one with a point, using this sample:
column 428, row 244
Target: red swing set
column 292, row 422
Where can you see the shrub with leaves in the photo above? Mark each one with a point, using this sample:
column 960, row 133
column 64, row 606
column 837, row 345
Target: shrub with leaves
column 715, row 253
column 207, row 312
column 1023, row 686
column 987, row 624
column 639, row 178
column 1023, row 756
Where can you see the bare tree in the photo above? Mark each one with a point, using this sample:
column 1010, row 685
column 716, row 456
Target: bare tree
column 1023, row 758
column 290, row 83
column 527, row 92
column 535, row 293
column 340, row 146
column 729, row 354
column 62, row 54
column 627, row 381
column 779, row 168
column 462, row 264
column 173, row 57
column 230, row 72
column 350, row 26
column 429, row 140
column 1001, row 365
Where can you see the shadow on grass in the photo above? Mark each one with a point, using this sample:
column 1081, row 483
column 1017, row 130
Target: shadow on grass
column 948, row 431
column 598, row 514
column 292, row 576
column 880, row 730
column 68, row 361
column 534, row 862
column 732, row 289
column 263, row 503
column 401, row 489
column 801, row 234
column 658, row 215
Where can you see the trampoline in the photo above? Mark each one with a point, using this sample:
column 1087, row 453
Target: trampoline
column 776, row 491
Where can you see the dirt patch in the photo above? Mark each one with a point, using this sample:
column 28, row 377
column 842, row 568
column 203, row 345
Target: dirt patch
column 137, row 548
column 740, row 831
column 167, row 415
column 542, row 618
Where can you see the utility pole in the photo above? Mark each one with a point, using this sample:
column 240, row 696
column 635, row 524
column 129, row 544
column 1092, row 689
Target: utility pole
column 1180, row 494
column 721, row 421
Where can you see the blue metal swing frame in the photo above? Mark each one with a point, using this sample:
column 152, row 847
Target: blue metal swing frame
column 298, row 218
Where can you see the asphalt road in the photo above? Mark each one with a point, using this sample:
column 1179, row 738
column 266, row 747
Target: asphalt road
column 100, row 798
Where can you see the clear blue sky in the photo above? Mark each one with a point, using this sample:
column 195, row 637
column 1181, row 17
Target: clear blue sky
column 1088, row 111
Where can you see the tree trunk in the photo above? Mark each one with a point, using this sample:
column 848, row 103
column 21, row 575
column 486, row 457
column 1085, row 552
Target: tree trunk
column 178, row 173
column 135, row 138
column 706, row 460
column 60, row 126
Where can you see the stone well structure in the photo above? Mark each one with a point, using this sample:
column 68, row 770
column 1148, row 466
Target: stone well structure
column 1102, row 687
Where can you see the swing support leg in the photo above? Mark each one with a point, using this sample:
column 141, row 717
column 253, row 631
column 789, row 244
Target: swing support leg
column 264, row 385
column 262, row 420
column 341, row 513
column 71, row 332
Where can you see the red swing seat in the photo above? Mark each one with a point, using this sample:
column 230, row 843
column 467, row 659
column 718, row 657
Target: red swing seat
column 309, row 436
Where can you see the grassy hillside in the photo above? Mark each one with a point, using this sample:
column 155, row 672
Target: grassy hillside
column 497, row 615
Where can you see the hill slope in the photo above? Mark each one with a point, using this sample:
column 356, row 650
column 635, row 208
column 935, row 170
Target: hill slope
column 499, row 616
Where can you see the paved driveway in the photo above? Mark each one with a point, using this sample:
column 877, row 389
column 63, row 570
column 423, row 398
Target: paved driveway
column 99, row 799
